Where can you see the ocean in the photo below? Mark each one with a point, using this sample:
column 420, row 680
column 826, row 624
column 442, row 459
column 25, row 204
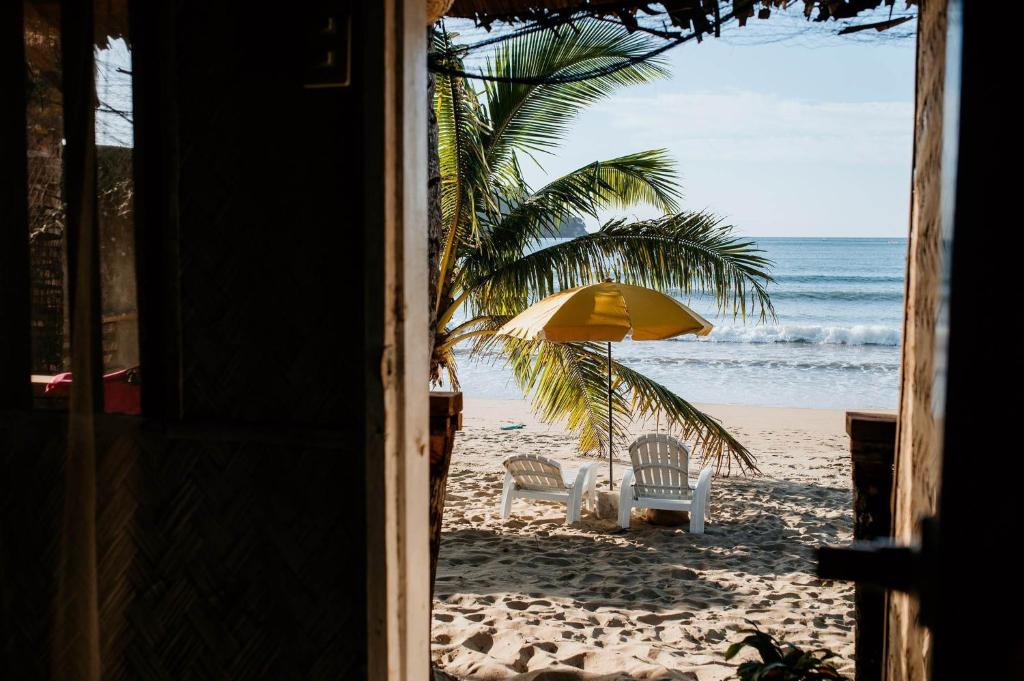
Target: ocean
column 835, row 344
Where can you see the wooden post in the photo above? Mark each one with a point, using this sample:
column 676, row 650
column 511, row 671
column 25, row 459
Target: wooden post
column 918, row 451
column 156, row 208
column 445, row 420
column 76, row 637
column 872, row 449
column 392, row 79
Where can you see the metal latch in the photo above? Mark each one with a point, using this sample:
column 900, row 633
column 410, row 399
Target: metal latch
column 887, row 565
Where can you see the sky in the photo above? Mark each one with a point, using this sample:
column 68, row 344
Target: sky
column 779, row 130
column 807, row 136
column 114, row 92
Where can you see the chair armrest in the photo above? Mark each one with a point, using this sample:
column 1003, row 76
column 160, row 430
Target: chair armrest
column 693, row 483
column 626, row 486
column 702, row 488
column 626, row 499
column 585, row 471
column 703, row 482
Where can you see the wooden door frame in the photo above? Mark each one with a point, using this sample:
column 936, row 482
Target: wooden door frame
column 962, row 569
column 397, row 464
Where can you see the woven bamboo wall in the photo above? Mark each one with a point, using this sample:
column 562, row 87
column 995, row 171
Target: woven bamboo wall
column 226, row 559
column 48, row 261
column 46, row 252
column 271, row 270
column 229, row 536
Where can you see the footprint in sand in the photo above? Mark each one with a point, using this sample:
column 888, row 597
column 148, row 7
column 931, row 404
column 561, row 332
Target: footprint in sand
column 521, row 664
column 481, row 642
column 714, row 635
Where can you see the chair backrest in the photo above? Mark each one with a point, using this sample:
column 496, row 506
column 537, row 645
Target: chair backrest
column 532, row 471
column 660, row 467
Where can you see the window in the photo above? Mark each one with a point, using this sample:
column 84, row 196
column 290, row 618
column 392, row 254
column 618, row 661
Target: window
column 48, row 238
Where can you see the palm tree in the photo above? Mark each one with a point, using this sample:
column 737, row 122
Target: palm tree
column 490, row 267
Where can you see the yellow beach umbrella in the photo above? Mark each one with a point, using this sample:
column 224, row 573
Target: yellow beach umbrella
column 608, row 312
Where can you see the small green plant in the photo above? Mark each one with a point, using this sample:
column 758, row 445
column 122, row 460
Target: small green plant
column 782, row 661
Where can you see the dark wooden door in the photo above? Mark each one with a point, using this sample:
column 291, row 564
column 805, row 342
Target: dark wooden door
column 226, row 530
column 973, row 584
column 965, row 572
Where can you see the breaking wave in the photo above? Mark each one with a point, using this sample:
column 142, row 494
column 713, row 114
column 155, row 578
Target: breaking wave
column 860, row 334
column 894, row 295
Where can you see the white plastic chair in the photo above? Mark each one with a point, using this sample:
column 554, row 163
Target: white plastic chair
column 530, row 476
column 660, row 479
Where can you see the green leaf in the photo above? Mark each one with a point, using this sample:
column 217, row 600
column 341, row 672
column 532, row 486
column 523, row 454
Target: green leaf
column 690, row 253
column 766, row 647
column 492, row 220
column 748, row 671
column 535, row 117
column 733, row 650
column 569, row 382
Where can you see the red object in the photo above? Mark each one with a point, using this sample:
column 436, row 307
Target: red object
column 122, row 393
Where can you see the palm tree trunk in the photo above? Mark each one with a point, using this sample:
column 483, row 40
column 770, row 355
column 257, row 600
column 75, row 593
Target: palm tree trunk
column 434, row 230
column 442, row 428
column 445, row 420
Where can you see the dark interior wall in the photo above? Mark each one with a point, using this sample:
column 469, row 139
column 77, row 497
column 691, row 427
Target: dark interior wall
column 271, row 271
column 270, row 325
column 230, row 518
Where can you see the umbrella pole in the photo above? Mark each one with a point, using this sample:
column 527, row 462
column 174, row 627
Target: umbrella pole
column 611, row 479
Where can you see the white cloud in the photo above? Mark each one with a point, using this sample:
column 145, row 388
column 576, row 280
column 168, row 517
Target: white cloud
column 748, row 126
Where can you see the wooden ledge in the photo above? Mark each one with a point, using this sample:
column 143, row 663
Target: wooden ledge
column 445, row 403
column 871, row 427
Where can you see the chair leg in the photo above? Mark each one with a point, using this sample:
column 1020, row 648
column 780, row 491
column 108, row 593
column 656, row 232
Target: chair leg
column 697, row 518
column 580, row 488
column 625, row 511
column 507, row 494
column 626, row 499
column 592, row 490
column 702, row 500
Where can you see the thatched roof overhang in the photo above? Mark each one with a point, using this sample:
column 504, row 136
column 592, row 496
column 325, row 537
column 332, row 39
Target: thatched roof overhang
column 698, row 15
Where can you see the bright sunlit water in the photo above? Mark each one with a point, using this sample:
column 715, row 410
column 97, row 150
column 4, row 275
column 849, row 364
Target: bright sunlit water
column 835, row 344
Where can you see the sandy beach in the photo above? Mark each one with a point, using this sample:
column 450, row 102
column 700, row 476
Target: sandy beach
column 530, row 595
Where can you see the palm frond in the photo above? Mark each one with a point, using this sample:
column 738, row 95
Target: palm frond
column 645, row 177
column 535, row 117
column 447, row 364
column 569, row 382
column 492, row 220
column 711, row 440
column 689, row 252
column 466, row 190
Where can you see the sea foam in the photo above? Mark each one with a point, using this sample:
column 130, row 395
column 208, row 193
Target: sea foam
column 859, row 334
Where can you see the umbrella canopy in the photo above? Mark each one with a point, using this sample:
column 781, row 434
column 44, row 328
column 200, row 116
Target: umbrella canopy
column 609, row 312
